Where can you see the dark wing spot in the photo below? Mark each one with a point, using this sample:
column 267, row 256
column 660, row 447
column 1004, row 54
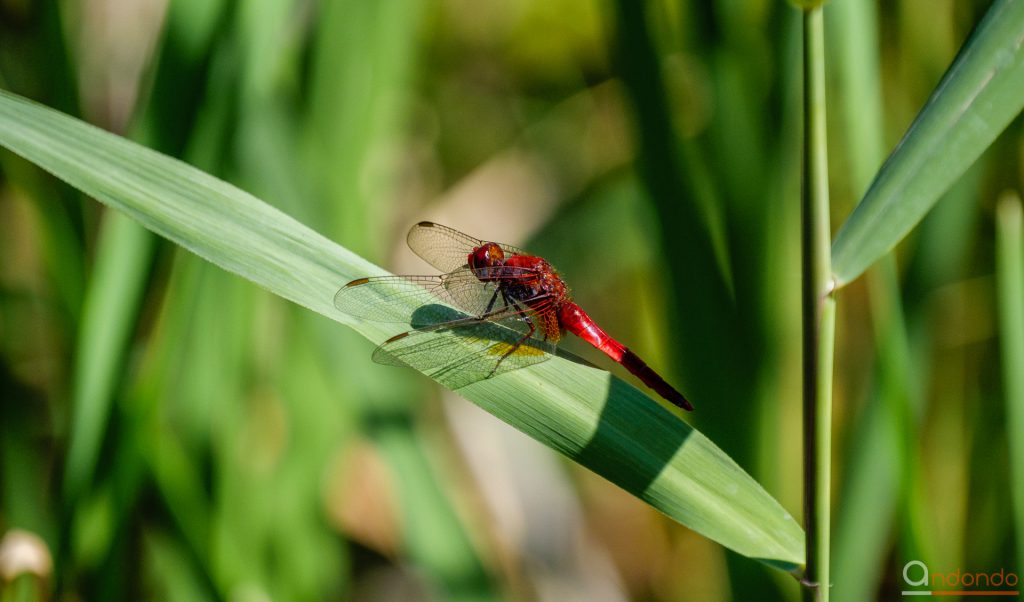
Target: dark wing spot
column 357, row 282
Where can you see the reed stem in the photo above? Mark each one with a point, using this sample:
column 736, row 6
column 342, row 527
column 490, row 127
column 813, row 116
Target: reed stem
column 1010, row 281
column 818, row 308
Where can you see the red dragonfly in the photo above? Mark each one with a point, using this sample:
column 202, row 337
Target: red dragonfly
column 512, row 310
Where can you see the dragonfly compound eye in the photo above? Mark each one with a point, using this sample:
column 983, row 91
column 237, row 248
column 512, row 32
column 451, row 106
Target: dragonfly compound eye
column 486, row 255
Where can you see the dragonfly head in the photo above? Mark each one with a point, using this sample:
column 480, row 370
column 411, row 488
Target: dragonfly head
column 487, row 255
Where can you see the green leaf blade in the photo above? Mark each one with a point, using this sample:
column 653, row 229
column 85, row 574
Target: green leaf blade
column 207, row 216
column 978, row 97
column 587, row 414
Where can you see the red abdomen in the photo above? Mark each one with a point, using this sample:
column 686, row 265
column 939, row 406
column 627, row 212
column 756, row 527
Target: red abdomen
column 576, row 321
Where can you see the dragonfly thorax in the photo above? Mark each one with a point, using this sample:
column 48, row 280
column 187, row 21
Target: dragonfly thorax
column 525, row 278
column 535, row 279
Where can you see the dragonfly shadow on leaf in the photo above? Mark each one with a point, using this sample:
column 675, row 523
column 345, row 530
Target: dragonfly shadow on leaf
column 434, row 314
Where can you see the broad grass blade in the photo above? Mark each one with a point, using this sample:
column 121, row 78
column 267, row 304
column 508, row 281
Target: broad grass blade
column 586, row 414
column 977, row 98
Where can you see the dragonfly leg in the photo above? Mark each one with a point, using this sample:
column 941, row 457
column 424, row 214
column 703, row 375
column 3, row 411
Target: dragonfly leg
column 494, row 297
column 504, row 297
column 519, row 343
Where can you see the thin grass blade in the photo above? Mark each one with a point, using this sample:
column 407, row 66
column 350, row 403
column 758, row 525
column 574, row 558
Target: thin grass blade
column 111, row 303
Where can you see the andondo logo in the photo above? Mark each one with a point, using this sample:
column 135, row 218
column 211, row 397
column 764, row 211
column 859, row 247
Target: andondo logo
column 957, row 583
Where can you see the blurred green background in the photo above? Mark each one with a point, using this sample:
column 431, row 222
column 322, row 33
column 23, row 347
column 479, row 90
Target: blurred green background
column 169, row 431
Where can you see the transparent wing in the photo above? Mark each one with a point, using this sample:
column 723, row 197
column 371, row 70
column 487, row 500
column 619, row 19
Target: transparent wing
column 397, row 298
column 465, row 351
column 446, row 248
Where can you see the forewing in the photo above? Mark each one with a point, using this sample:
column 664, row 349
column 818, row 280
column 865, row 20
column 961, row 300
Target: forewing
column 459, row 353
column 398, row 298
column 446, row 248
column 387, row 298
